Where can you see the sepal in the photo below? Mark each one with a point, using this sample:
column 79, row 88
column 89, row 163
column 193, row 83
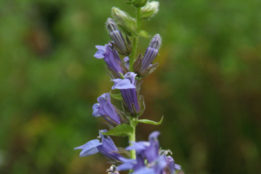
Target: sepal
column 150, row 70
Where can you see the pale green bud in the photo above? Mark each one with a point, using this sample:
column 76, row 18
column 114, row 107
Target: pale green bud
column 150, row 9
column 127, row 23
column 139, row 3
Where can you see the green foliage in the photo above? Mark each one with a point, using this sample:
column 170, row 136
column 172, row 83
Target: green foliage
column 117, row 96
column 121, row 130
column 146, row 121
column 144, row 34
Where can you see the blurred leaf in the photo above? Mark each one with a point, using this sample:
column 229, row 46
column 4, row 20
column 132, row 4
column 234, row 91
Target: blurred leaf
column 116, row 96
column 144, row 33
column 146, row 121
column 120, row 130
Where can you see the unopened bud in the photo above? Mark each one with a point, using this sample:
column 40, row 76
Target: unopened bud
column 155, row 42
column 111, row 25
column 124, row 20
column 139, row 3
column 121, row 45
column 150, row 9
column 151, row 52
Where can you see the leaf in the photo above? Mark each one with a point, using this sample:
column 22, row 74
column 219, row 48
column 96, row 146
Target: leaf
column 144, row 33
column 146, row 121
column 120, row 130
column 116, row 96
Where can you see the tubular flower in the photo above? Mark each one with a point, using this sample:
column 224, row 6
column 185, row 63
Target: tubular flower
column 128, row 91
column 149, row 150
column 112, row 59
column 106, row 148
column 105, row 109
column 143, row 65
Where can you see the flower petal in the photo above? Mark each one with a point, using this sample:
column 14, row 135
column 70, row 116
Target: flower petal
column 123, row 84
column 89, row 148
column 95, row 110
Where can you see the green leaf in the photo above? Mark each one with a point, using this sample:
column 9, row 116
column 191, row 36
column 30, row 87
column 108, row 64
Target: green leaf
column 120, row 130
column 116, row 96
column 146, row 121
column 144, row 33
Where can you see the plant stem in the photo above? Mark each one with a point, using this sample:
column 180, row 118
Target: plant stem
column 135, row 40
column 133, row 122
column 132, row 137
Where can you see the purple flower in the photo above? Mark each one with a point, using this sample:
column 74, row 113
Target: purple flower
column 111, row 57
column 128, row 91
column 143, row 66
column 151, row 52
column 121, row 45
column 134, row 164
column 171, row 165
column 149, row 150
column 105, row 109
column 106, row 147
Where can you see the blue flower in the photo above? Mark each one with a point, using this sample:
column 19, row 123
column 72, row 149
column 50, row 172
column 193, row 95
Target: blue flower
column 171, row 165
column 105, row 109
column 128, row 91
column 151, row 52
column 106, row 148
column 111, row 57
column 149, row 150
column 143, row 66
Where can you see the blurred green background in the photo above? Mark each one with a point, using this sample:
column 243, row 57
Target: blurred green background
column 208, row 84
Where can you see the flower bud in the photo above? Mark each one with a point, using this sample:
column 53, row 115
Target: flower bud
column 119, row 42
column 155, row 42
column 150, row 9
column 143, row 66
column 124, row 20
column 151, row 52
column 139, row 3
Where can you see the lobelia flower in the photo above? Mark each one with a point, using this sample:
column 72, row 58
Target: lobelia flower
column 156, row 163
column 105, row 109
column 149, row 150
column 143, row 65
column 106, row 147
column 119, row 42
column 112, row 59
column 171, row 165
column 128, row 91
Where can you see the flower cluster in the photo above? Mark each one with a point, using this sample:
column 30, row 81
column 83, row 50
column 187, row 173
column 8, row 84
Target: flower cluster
column 126, row 73
column 149, row 158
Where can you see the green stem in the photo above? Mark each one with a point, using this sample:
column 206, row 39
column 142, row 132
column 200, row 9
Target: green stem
column 132, row 137
column 135, row 40
column 133, row 121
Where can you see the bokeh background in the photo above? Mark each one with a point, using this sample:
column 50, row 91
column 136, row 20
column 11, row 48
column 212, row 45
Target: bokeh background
column 208, row 84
